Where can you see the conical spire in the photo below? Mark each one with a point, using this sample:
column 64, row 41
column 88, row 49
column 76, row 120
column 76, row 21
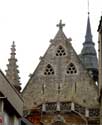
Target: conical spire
column 12, row 71
column 88, row 54
column 88, row 37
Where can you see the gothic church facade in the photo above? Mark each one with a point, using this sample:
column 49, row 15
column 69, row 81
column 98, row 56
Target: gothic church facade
column 62, row 90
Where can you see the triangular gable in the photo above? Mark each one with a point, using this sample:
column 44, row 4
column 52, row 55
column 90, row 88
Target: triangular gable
column 60, row 75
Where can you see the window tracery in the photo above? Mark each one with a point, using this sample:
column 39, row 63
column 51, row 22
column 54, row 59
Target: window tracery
column 71, row 69
column 51, row 106
column 60, row 51
column 49, row 70
column 80, row 109
column 94, row 112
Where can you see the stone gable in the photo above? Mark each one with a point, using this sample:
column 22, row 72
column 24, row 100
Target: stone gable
column 61, row 76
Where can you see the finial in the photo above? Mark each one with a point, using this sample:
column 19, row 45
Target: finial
column 88, row 7
column 13, row 44
column 60, row 25
column 13, row 50
column 12, row 71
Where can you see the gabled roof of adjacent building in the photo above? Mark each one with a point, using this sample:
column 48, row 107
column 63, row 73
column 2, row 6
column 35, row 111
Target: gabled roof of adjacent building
column 11, row 94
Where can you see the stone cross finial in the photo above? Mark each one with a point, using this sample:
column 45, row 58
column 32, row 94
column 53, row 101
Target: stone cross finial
column 60, row 25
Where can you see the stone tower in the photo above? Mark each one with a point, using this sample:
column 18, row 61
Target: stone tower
column 61, row 90
column 88, row 54
column 100, row 66
column 12, row 71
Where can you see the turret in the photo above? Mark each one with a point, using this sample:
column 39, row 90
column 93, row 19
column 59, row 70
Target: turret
column 12, row 71
column 88, row 54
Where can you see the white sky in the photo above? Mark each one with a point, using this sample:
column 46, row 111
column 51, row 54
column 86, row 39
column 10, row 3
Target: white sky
column 32, row 23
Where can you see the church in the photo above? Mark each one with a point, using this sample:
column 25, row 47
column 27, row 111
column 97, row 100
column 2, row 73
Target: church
column 65, row 88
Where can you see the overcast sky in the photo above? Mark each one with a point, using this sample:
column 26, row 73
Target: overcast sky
column 32, row 23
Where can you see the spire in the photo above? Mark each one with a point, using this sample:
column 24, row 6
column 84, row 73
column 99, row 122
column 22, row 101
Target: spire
column 88, row 37
column 12, row 71
column 88, row 54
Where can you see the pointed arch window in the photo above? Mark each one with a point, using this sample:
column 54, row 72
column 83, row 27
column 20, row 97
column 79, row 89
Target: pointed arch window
column 49, row 70
column 60, row 51
column 71, row 69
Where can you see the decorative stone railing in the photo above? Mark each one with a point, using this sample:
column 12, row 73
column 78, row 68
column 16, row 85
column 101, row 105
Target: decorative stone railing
column 68, row 107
